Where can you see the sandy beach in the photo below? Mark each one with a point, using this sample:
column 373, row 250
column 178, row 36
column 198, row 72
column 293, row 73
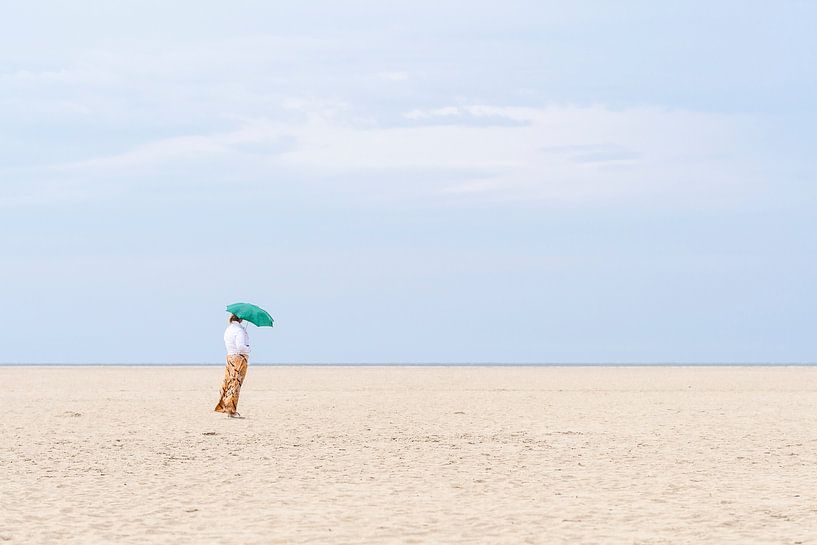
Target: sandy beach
column 380, row 455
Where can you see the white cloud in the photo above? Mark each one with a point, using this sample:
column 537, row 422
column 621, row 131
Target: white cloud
column 554, row 154
column 394, row 76
column 473, row 111
column 558, row 153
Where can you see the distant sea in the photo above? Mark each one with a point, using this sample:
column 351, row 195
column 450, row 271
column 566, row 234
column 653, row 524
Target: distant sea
column 430, row 364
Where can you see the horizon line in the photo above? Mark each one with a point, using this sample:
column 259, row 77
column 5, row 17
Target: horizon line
column 426, row 364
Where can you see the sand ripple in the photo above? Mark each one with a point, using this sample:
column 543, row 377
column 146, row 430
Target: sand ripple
column 410, row 455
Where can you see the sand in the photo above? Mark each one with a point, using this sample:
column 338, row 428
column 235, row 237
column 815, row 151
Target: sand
column 381, row 455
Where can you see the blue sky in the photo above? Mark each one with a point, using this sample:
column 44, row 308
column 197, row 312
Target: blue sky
column 409, row 181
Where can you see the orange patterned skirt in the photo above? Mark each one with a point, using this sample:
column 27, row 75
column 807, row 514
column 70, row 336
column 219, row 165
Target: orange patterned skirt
column 231, row 388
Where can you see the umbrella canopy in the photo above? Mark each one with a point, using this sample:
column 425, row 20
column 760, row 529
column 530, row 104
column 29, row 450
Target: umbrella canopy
column 252, row 313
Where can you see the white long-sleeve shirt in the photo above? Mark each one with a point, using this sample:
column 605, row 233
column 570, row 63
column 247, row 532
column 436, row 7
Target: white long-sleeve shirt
column 236, row 339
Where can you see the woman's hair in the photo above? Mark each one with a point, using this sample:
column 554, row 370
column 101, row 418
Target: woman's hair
column 233, row 318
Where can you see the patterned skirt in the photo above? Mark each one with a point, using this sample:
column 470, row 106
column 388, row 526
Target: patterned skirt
column 231, row 388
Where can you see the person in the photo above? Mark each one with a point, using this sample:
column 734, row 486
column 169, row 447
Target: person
column 237, row 343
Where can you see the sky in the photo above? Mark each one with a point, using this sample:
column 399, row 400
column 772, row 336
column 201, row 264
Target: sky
column 428, row 182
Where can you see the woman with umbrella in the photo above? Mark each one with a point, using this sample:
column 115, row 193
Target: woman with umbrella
column 237, row 342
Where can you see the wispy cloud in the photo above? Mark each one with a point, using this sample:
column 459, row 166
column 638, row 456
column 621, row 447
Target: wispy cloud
column 394, row 76
column 578, row 154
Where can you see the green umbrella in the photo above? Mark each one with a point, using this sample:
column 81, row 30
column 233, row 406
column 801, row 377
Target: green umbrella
column 253, row 314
